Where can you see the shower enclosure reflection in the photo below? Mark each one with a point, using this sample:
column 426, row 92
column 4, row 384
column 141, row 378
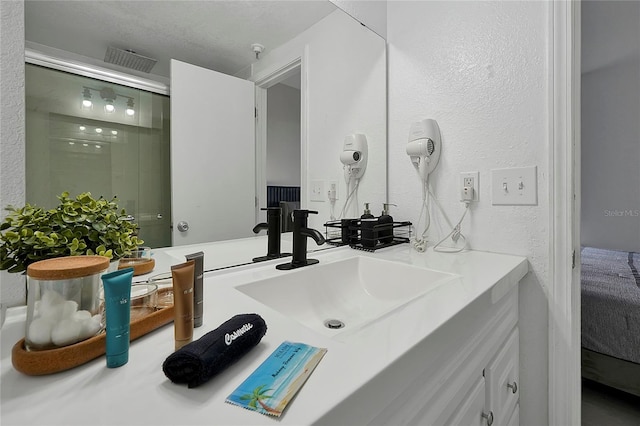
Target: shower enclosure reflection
column 102, row 148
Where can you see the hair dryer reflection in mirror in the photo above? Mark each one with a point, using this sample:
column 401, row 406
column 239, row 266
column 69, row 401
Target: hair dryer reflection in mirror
column 354, row 156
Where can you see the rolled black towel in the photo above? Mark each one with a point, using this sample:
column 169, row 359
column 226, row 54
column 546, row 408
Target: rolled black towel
column 200, row 360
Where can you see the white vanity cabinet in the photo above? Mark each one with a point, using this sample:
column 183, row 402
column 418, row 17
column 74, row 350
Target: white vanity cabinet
column 493, row 399
column 471, row 411
column 502, row 382
column 465, row 373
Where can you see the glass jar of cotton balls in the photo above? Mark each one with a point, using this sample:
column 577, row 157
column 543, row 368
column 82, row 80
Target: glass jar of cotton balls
column 64, row 301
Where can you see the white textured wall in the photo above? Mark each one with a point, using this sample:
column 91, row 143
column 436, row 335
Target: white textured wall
column 611, row 125
column 372, row 13
column 481, row 70
column 283, row 135
column 12, row 289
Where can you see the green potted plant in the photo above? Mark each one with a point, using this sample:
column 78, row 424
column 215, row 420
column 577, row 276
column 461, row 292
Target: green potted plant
column 77, row 226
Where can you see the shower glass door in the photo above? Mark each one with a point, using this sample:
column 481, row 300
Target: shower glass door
column 87, row 135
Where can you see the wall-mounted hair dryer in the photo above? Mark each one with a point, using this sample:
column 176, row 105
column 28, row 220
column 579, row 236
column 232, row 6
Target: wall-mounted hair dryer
column 354, row 156
column 424, row 146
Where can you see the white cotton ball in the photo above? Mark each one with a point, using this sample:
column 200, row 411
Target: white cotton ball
column 69, row 307
column 40, row 332
column 51, row 306
column 89, row 327
column 52, row 312
column 99, row 319
column 82, row 315
column 51, row 298
column 65, row 332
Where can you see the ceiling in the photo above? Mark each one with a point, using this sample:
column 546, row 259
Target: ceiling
column 213, row 34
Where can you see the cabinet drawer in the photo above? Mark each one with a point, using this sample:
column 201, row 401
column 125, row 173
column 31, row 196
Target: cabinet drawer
column 502, row 376
column 471, row 409
column 515, row 417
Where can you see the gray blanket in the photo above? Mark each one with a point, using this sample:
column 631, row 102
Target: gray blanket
column 611, row 302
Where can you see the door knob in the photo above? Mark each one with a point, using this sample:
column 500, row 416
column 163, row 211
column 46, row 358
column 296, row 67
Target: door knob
column 159, row 216
column 513, row 386
column 183, row 226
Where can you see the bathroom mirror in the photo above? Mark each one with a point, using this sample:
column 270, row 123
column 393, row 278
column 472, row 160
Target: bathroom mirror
column 342, row 72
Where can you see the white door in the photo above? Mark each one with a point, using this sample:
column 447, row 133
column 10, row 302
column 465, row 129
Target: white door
column 212, row 155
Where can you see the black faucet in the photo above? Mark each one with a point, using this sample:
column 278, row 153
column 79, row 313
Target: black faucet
column 300, row 235
column 273, row 227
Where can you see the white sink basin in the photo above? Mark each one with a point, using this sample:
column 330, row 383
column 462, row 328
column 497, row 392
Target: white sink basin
column 355, row 291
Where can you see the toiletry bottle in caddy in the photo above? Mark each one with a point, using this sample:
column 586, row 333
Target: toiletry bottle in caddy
column 385, row 225
column 368, row 233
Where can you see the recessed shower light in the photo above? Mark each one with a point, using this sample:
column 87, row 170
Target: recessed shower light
column 114, row 132
column 86, row 98
column 85, row 144
column 82, row 128
column 98, row 130
column 72, row 143
column 98, row 146
column 130, row 111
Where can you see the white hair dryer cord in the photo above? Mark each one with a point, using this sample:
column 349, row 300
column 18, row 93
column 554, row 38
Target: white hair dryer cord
column 345, row 207
column 420, row 242
column 455, row 234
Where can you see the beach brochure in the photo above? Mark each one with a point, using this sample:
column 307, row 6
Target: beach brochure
column 276, row 381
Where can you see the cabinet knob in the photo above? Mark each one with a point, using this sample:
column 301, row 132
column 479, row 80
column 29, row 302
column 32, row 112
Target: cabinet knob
column 489, row 417
column 513, row 386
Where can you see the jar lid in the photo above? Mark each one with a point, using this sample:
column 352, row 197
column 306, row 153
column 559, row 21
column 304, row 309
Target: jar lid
column 61, row 268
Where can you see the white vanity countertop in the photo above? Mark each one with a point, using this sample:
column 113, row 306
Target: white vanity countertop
column 139, row 393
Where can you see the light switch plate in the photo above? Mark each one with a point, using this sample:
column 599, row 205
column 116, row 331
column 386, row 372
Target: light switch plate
column 317, row 191
column 514, row 186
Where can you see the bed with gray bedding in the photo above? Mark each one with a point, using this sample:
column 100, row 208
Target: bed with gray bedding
column 611, row 317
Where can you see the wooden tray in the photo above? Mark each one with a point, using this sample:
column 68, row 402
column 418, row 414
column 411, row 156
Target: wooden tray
column 140, row 266
column 39, row 363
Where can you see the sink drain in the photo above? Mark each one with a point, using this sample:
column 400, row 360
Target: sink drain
column 333, row 324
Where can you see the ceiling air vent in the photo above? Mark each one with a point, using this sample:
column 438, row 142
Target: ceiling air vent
column 129, row 59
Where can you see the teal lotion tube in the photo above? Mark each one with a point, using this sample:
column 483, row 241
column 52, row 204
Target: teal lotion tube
column 183, row 302
column 197, row 287
column 117, row 301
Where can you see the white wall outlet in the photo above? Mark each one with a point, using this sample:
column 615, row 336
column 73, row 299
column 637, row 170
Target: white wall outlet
column 469, row 180
column 333, row 190
column 317, row 191
column 514, row 186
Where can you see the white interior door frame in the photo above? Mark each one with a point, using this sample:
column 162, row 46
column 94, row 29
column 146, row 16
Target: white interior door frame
column 564, row 248
column 263, row 81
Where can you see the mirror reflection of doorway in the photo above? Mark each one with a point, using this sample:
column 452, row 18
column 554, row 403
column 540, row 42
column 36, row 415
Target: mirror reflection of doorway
column 283, row 158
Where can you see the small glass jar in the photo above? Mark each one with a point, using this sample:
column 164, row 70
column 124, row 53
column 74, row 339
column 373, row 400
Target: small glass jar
column 144, row 300
column 63, row 301
column 164, row 284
